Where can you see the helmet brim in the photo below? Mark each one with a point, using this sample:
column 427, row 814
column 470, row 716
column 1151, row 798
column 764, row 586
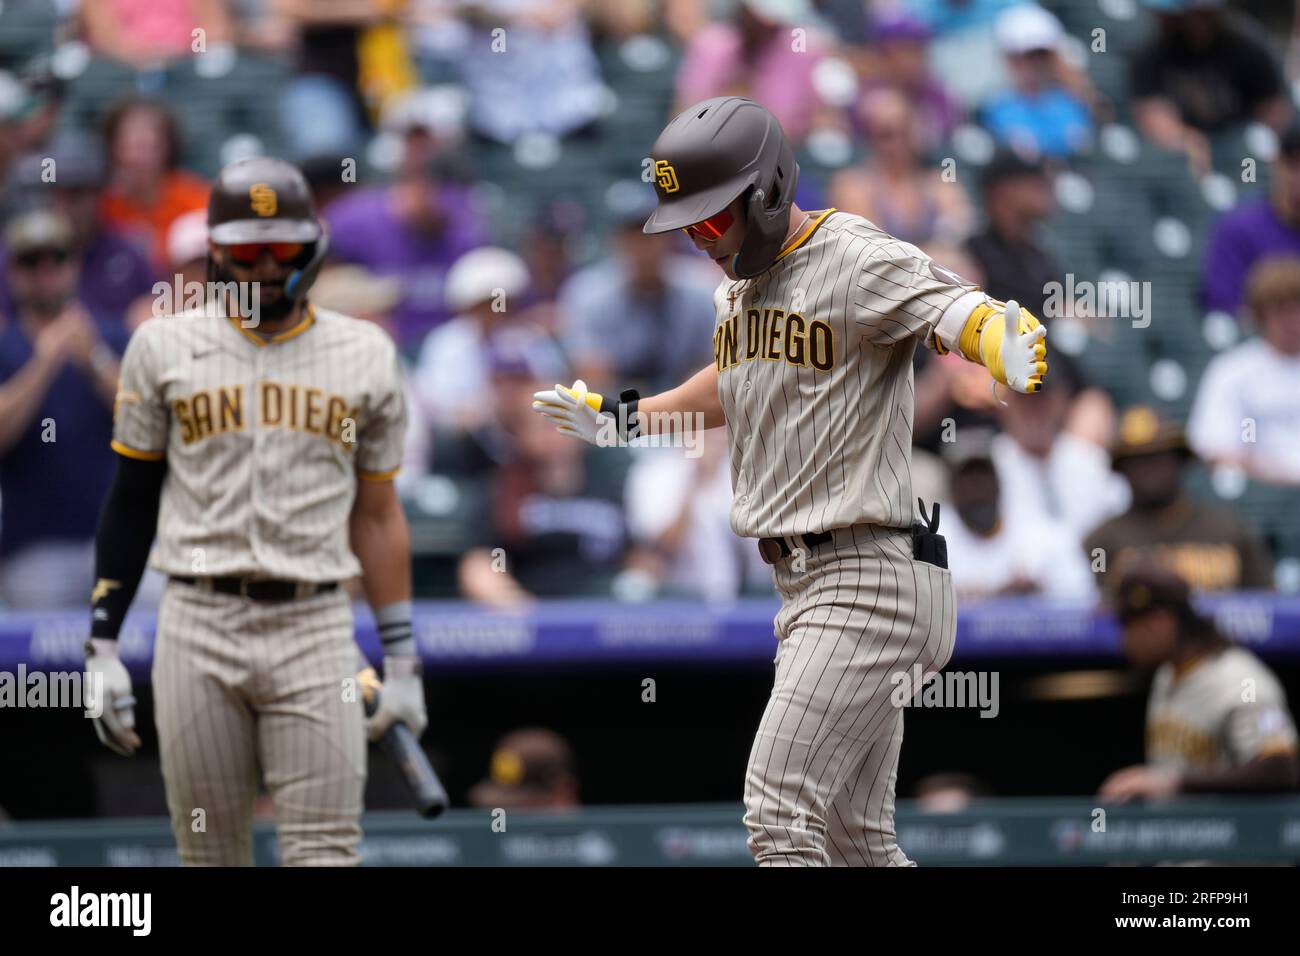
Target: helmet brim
column 265, row 230
column 679, row 213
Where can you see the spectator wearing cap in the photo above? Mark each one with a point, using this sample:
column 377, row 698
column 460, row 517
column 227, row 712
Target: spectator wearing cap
column 998, row 545
column 146, row 190
column 412, row 229
column 898, row 59
column 894, row 188
column 1256, row 229
column 1217, row 719
column 1041, row 114
column 1047, row 466
column 1017, row 202
column 58, row 380
column 115, row 270
column 1210, row 547
column 1247, row 407
column 530, row 769
column 1204, row 71
column 485, row 290
column 642, row 316
column 754, row 55
column 187, row 266
column 355, row 291
column 552, row 522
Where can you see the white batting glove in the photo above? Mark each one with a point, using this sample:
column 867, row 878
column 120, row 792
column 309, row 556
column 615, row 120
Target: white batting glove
column 1024, row 349
column 575, row 411
column 401, row 698
column 108, row 697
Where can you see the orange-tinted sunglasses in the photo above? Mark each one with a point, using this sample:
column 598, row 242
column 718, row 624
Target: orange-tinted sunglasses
column 713, row 228
column 249, row 252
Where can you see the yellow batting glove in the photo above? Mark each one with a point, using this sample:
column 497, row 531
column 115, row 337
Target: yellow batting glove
column 1011, row 344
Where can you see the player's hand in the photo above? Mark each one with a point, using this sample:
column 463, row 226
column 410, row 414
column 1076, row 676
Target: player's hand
column 401, row 698
column 109, row 700
column 575, row 411
column 1141, row 781
column 1024, row 349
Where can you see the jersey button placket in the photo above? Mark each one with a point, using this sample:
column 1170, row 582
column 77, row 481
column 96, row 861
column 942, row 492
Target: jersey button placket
column 260, row 436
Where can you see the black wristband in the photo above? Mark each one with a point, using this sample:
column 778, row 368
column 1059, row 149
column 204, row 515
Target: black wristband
column 624, row 410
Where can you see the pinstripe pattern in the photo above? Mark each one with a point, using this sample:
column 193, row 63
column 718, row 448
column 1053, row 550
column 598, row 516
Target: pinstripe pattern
column 239, row 687
column 816, row 449
column 820, row 784
column 826, row 446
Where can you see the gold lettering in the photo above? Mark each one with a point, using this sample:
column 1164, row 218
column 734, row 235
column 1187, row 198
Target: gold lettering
column 821, row 345
column 232, row 407
column 775, row 325
column 182, row 409
column 201, row 404
column 272, row 404
column 751, row 334
column 311, row 421
column 796, row 352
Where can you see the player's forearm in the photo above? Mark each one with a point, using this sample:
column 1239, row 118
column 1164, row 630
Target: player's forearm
column 698, row 395
column 382, row 543
column 1273, row 774
column 127, row 522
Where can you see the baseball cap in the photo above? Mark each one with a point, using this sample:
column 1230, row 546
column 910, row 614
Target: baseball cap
column 1026, row 28
column 187, row 237
column 973, row 446
column 1142, row 431
column 476, row 277
column 1146, row 589
column 38, row 230
column 355, row 290
column 1009, row 164
column 525, row 764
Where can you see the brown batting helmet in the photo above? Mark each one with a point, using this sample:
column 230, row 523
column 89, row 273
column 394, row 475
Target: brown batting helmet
column 264, row 199
column 261, row 199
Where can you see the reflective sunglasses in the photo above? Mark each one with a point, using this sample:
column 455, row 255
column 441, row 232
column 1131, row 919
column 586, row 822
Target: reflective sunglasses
column 248, row 253
column 713, row 228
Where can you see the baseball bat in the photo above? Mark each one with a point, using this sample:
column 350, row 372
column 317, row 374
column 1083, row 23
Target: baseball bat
column 399, row 743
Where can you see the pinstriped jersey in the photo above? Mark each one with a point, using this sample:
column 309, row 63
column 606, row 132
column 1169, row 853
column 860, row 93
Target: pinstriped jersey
column 814, row 361
column 1221, row 710
column 264, row 438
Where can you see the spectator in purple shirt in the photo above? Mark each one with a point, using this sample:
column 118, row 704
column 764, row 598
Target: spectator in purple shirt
column 1255, row 230
column 114, row 269
column 412, row 229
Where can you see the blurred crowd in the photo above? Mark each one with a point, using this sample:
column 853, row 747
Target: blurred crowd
column 479, row 168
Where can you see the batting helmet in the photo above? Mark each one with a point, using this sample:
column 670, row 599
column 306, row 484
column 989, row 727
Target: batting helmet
column 715, row 152
column 263, row 199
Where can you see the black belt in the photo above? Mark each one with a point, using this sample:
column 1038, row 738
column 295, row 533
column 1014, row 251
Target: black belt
column 775, row 549
column 261, row 589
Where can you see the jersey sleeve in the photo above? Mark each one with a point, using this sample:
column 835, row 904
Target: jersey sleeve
column 1260, row 728
column 899, row 292
column 139, row 409
column 380, row 438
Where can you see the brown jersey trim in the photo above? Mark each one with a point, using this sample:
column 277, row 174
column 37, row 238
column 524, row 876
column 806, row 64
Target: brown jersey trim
column 127, row 451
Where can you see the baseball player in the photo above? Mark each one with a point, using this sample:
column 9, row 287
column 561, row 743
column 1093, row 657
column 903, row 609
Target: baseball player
column 1217, row 718
column 259, row 436
column 817, row 320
